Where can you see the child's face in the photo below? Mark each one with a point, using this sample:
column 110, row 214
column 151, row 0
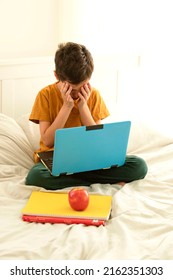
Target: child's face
column 77, row 88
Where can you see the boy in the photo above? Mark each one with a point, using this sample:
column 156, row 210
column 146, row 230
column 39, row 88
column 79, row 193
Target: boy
column 70, row 102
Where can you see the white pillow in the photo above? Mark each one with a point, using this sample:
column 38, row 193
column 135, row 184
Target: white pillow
column 31, row 130
column 15, row 148
column 143, row 137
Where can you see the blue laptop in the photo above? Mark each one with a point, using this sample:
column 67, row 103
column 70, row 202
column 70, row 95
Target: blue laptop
column 87, row 148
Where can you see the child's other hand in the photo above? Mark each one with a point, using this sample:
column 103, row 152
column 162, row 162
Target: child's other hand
column 84, row 94
column 65, row 90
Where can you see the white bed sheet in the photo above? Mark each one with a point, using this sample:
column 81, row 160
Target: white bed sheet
column 141, row 223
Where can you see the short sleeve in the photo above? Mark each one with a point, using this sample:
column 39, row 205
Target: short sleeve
column 40, row 110
column 97, row 106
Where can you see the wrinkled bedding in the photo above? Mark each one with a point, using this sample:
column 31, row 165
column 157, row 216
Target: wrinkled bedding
column 141, row 222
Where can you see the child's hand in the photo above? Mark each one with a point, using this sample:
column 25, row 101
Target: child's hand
column 65, row 90
column 84, row 94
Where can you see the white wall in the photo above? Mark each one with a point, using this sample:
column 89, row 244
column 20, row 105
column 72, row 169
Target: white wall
column 134, row 35
column 28, row 28
column 35, row 27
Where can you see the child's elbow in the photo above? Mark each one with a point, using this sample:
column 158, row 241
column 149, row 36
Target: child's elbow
column 48, row 142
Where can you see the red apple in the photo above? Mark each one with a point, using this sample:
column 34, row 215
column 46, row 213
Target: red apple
column 78, row 199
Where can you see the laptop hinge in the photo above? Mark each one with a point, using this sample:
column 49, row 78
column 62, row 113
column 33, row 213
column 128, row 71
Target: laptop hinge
column 116, row 165
column 93, row 127
column 66, row 173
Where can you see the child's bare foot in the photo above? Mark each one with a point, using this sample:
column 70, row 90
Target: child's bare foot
column 121, row 183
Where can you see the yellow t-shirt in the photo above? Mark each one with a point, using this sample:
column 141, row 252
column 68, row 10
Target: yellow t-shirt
column 49, row 102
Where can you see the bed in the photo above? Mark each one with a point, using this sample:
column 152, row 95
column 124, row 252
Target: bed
column 140, row 226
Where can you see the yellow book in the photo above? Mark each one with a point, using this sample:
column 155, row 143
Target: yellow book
column 53, row 207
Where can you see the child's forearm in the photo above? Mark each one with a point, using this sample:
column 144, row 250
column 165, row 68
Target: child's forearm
column 86, row 117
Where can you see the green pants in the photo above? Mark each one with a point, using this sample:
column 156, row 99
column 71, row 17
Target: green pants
column 134, row 168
